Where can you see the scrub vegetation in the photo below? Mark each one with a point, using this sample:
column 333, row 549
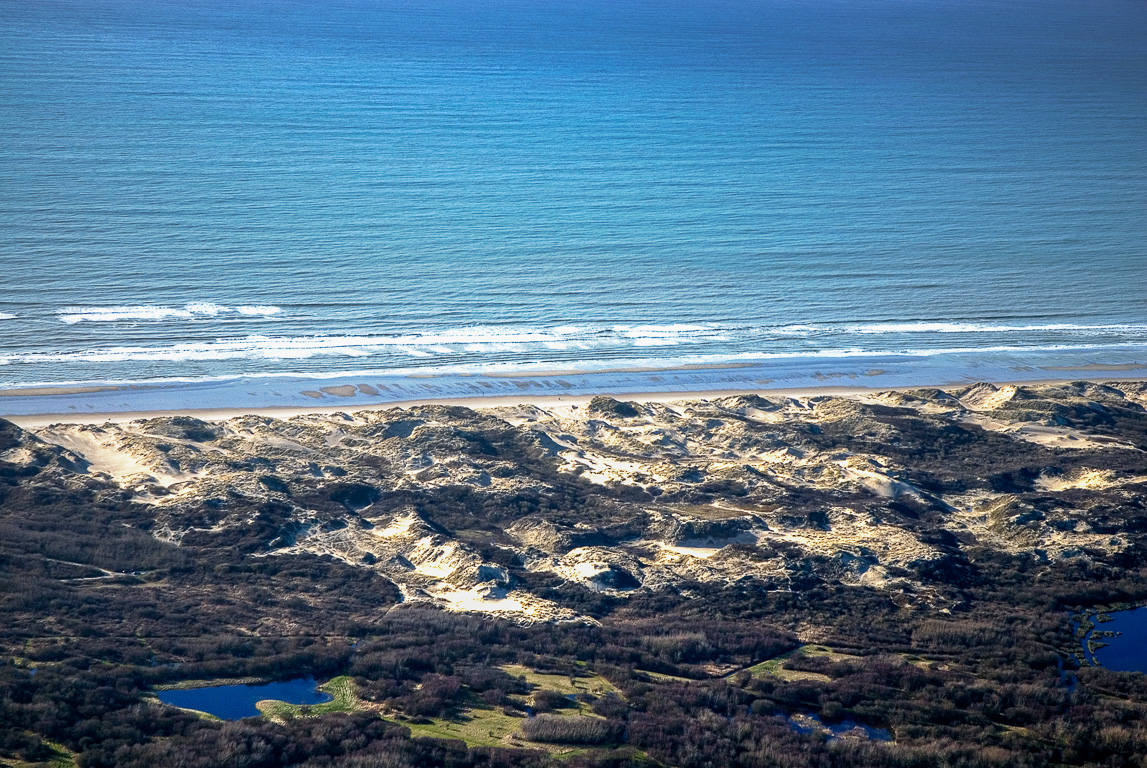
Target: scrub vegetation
column 961, row 647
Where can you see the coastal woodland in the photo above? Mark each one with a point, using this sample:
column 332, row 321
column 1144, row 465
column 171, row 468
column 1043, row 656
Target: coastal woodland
column 895, row 579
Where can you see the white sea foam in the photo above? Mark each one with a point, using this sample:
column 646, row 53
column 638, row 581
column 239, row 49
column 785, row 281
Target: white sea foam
column 205, row 308
column 73, row 315
column 568, row 347
column 927, row 327
column 7, row 316
column 659, row 331
column 593, row 336
column 301, row 348
column 967, row 327
column 473, row 341
column 802, row 361
column 655, row 342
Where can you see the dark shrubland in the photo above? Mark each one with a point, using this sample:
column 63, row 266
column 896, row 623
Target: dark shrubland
column 551, row 729
column 966, row 661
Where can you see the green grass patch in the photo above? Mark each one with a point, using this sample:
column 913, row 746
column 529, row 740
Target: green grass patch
column 482, row 725
column 662, row 677
column 770, row 666
column 62, row 757
column 593, row 684
column 344, row 698
column 184, row 685
column 151, row 699
column 478, row 726
column 775, row 667
column 486, row 726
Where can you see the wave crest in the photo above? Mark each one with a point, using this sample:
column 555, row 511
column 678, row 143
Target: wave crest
column 73, row 315
column 569, row 342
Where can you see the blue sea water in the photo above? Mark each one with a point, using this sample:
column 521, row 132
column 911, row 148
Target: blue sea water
column 201, row 190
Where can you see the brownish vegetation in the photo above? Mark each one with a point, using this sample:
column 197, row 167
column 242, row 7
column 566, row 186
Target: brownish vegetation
column 964, row 658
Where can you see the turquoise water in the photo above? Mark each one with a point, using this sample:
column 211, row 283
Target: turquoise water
column 233, row 702
column 201, row 190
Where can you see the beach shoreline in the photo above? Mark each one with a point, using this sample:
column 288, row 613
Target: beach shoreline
column 348, row 391
column 545, row 401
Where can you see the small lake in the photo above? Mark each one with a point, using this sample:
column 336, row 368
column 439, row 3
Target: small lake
column 1126, row 651
column 233, row 702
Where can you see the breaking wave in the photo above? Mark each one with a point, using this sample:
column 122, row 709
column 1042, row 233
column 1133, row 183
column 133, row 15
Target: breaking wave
column 571, row 342
column 930, row 327
column 203, row 352
column 73, row 315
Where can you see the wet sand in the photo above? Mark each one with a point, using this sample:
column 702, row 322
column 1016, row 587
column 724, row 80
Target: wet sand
column 540, row 401
column 293, row 394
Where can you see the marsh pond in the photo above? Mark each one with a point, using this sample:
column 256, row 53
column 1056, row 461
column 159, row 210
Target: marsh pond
column 1118, row 640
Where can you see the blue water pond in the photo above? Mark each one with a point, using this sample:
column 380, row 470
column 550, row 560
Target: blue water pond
column 233, row 702
column 1126, row 649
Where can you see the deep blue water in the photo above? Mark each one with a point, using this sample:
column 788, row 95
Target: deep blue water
column 1127, row 651
column 199, row 188
column 232, row 702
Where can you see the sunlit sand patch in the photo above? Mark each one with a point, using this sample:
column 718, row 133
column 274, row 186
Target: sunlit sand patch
column 20, row 456
column 496, row 601
column 589, row 570
column 440, row 561
column 98, row 451
column 400, row 526
column 766, row 417
column 993, row 525
column 855, row 536
column 104, row 455
column 1087, row 479
column 939, row 406
column 431, row 556
column 987, row 398
column 480, row 598
column 598, row 468
column 703, row 553
column 1091, row 479
column 598, row 568
column 878, row 483
column 1052, row 437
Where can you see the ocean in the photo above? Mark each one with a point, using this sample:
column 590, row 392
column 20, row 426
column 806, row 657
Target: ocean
column 197, row 193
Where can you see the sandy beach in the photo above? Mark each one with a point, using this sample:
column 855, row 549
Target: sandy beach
column 292, row 394
column 574, row 401
column 541, row 401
